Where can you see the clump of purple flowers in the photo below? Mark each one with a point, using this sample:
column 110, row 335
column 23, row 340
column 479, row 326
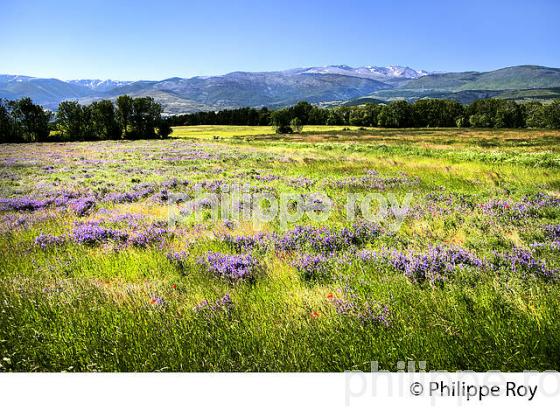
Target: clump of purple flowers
column 375, row 314
column 436, row 203
column 138, row 192
column 170, row 183
column 148, row 236
column 301, row 182
column 373, row 181
column 313, row 267
column 553, row 232
column 82, row 206
column 212, row 186
column 161, row 197
column 14, row 221
column 90, row 233
column 199, row 204
column 244, row 243
column 316, row 203
column 325, row 239
column 223, row 304
column 266, row 178
column 435, row 265
column 23, row 204
column 521, row 260
column 366, row 313
column 46, row 240
column 178, row 258
column 231, row 267
column 526, row 207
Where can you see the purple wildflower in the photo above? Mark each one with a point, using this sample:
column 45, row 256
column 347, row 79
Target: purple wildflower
column 266, row 178
column 23, row 204
column 82, row 206
column 91, row 233
column 435, row 265
column 45, row 240
column 313, row 266
column 232, row 267
column 156, row 301
column 325, row 239
column 301, row 182
column 366, row 313
column 178, row 258
column 245, row 243
column 147, row 236
column 553, row 232
column 138, row 192
column 373, row 181
column 524, row 261
column 223, row 304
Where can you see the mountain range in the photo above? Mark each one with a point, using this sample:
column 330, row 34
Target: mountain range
column 327, row 86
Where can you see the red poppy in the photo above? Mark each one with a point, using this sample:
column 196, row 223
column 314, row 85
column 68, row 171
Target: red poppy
column 174, row 286
column 330, row 296
column 314, row 314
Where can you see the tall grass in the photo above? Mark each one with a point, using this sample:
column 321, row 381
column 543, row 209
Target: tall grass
column 74, row 307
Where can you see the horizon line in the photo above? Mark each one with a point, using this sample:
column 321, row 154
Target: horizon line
column 274, row 71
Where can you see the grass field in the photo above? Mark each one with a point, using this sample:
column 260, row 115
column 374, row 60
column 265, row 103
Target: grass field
column 229, row 131
column 93, row 277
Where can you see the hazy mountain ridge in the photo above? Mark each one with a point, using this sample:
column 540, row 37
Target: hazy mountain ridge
column 321, row 85
column 99, row 85
column 518, row 77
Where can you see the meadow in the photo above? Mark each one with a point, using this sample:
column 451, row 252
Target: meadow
column 93, row 277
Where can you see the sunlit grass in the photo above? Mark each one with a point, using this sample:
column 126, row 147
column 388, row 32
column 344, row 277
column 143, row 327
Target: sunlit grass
column 88, row 308
column 228, row 131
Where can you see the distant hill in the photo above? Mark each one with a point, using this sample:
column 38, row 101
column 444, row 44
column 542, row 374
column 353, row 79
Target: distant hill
column 327, row 86
column 509, row 78
column 41, row 90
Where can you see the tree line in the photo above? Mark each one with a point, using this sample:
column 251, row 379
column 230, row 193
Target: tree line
column 128, row 118
column 239, row 116
column 485, row 113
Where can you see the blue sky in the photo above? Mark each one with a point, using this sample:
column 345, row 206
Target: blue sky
column 160, row 39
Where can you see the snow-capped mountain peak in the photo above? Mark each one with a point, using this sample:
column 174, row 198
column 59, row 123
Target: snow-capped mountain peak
column 392, row 72
column 99, row 85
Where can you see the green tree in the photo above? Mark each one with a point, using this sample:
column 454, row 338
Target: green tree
column 364, row 115
column 495, row 113
column 9, row 132
column 163, row 129
column 436, row 113
column 124, row 113
column 103, row 120
column 551, row 113
column 396, row 114
column 71, row 120
column 302, row 110
column 146, row 114
column 533, row 114
column 264, row 116
column 280, row 120
column 318, row 116
column 296, row 125
column 336, row 116
column 508, row 114
column 31, row 119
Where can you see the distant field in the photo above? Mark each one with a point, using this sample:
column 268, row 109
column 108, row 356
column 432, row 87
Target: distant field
column 94, row 278
column 224, row 131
